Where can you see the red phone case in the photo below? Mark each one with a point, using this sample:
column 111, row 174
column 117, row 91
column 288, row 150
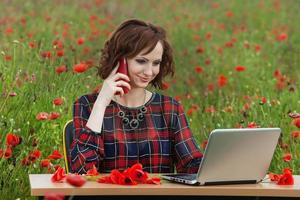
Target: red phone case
column 123, row 68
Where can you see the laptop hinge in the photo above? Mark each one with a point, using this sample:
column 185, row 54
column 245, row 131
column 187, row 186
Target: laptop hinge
column 230, row 182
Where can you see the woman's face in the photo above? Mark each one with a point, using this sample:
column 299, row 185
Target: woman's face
column 142, row 69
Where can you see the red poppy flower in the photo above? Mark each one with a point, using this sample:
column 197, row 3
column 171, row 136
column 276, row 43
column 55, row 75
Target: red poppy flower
column 204, row 143
column 55, row 155
column 79, row 68
column 222, row 81
column 92, row 172
column 25, row 161
column 210, row 87
column 263, row 100
column 137, row 174
column 294, row 115
column 8, row 57
column 210, row 109
column 85, row 50
column 198, row 69
column 252, row 125
column 35, row 155
column 42, row 116
column 105, row 179
column 125, row 179
column 257, row 48
column 115, row 176
column 277, row 73
column 199, row 49
column 240, row 68
column 12, row 94
column 287, row 157
column 45, row 163
column 130, row 176
column 165, row 85
column 58, row 44
column 274, row 177
column 32, row 44
column 286, row 179
column 54, row 115
column 8, row 153
column 296, row 122
column 61, row 69
column 229, row 44
column 281, row 37
column 58, row 101
column 284, row 145
column 190, row 111
column 295, row 134
column 12, row 140
column 46, row 54
column 59, row 175
column 60, row 53
column 155, row 181
column 75, row 180
column 229, row 13
column 80, row 41
column 208, row 36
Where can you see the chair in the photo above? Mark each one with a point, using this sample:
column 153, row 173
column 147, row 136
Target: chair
column 67, row 141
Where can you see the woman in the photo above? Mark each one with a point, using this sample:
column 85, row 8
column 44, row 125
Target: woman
column 115, row 132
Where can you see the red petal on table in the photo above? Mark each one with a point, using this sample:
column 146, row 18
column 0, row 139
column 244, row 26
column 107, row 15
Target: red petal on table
column 59, row 175
column 274, row 177
column 139, row 175
column 153, row 181
column 115, row 176
column 126, row 180
column 286, row 179
column 105, row 179
column 92, row 172
column 75, row 180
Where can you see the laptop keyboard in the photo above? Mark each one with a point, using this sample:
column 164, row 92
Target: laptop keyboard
column 190, row 177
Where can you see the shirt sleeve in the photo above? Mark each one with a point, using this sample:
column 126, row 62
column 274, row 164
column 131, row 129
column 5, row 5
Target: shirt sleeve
column 87, row 147
column 187, row 153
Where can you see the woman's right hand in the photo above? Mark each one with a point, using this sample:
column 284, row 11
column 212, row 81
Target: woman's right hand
column 112, row 85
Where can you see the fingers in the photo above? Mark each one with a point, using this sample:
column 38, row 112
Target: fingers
column 121, row 76
column 119, row 91
column 114, row 71
column 122, row 83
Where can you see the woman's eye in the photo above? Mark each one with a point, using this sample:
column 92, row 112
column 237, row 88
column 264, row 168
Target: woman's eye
column 155, row 64
column 140, row 61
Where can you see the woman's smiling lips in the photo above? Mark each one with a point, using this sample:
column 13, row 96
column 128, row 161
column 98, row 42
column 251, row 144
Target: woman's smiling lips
column 144, row 79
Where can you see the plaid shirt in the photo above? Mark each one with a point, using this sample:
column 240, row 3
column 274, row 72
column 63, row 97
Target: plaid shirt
column 162, row 140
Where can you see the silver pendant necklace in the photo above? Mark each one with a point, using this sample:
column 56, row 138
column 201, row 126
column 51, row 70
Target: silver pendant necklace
column 134, row 122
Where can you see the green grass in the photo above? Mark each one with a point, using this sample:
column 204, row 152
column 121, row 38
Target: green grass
column 253, row 22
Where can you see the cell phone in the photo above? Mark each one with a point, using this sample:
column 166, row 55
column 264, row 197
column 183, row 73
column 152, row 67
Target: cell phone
column 123, row 68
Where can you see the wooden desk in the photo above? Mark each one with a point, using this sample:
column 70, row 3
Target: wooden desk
column 41, row 183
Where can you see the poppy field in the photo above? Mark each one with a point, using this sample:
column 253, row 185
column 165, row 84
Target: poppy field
column 237, row 66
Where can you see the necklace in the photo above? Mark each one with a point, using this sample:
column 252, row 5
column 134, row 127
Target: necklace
column 134, row 122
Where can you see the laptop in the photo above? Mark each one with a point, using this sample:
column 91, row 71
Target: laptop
column 233, row 156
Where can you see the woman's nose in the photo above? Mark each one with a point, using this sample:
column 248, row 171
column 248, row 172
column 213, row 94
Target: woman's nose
column 148, row 70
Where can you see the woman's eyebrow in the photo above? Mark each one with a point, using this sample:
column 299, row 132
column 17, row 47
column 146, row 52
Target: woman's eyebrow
column 148, row 59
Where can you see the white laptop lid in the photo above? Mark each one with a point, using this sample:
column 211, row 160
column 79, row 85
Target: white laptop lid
column 238, row 155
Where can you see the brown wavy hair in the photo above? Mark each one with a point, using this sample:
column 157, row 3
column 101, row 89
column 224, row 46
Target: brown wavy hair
column 128, row 40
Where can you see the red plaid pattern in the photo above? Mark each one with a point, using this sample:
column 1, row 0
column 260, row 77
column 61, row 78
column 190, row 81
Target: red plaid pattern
column 162, row 141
